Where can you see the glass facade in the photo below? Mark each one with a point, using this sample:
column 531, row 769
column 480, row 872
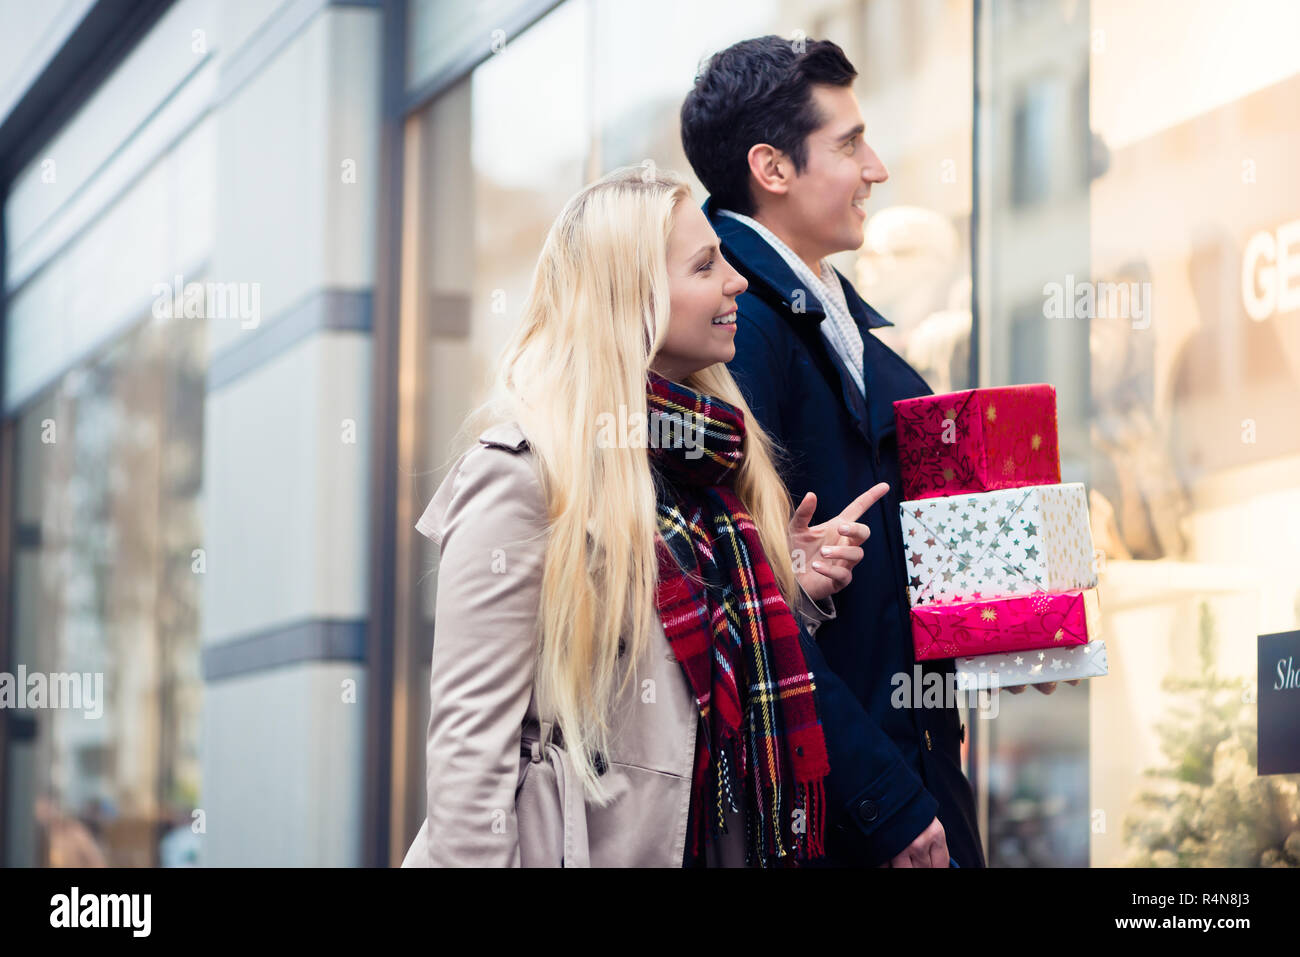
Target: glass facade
column 107, row 517
column 1032, row 153
column 104, row 405
column 1099, row 195
column 1194, row 452
column 185, row 432
column 1135, row 172
column 493, row 157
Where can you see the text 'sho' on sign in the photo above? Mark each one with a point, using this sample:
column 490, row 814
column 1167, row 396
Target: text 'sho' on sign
column 1279, row 703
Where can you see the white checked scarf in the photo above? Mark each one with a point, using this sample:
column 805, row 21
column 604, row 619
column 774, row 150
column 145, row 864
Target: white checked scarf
column 838, row 327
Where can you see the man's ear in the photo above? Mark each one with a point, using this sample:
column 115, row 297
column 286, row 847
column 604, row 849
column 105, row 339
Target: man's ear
column 771, row 169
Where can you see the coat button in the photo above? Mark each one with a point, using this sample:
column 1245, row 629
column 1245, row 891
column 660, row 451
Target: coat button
column 928, row 745
column 798, row 749
column 867, row 811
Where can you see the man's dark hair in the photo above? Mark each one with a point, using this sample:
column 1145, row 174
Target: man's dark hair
column 756, row 91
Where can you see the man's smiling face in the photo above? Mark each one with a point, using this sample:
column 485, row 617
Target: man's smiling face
column 825, row 205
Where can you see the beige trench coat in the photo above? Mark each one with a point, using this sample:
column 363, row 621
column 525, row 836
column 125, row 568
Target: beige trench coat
column 496, row 797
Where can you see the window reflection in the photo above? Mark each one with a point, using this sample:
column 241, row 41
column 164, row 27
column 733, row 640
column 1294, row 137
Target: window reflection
column 109, row 466
column 1034, row 230
column 594, row 85
column 1196, row 459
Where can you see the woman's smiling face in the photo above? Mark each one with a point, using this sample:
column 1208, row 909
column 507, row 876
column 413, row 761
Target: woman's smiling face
column 702, row 298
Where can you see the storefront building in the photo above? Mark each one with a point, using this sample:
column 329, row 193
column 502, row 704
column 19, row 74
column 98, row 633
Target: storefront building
column 257, row 265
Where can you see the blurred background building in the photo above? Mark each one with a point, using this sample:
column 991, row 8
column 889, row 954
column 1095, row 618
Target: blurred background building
column 258, row 257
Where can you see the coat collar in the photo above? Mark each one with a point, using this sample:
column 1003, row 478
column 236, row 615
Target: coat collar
column 884, row 380
column 766, row 264
column 506, row 435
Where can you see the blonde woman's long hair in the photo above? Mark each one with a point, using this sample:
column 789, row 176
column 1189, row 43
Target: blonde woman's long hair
column 596, row 313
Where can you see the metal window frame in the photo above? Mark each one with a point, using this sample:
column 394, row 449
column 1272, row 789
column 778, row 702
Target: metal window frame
column 385, row 412
column 416, row 97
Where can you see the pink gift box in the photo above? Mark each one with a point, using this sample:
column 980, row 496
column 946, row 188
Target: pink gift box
column 979, row 440
column 1019, row 623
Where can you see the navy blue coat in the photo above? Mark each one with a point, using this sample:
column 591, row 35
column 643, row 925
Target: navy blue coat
column 893, row 770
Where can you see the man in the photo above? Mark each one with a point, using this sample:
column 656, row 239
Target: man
column 774, row 133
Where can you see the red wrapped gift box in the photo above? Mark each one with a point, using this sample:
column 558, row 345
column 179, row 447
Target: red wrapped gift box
column 1019, row 623
column 998, row 438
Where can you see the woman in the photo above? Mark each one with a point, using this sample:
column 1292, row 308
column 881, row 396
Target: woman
column 617, row 677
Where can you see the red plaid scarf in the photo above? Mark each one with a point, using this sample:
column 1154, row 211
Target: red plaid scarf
column 735, row 637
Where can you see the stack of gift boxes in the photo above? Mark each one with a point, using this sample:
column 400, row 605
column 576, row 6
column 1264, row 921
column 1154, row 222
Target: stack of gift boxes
column 1000, row 566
